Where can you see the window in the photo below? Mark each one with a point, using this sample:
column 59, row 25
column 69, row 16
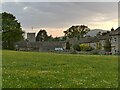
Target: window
column 115, row 39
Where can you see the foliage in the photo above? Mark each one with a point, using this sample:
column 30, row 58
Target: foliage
column 67, row 46
column 50, row 38
column 98, row 34
column 107, row 46
column 42, row 36
column 50, row 70
column 64, row 38
column 0, row 22
column 99, row 45
column 77, row 47
column 11, row 30
column 56, row 39
column 76, row 31
column 85, row 47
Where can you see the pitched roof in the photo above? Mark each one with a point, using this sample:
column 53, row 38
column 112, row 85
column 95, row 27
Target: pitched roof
column 88, row 40
column 104, row 37
column 115, row 32
column 44, row 45
column 22, row 43
column 94, row 39
column 72, row 40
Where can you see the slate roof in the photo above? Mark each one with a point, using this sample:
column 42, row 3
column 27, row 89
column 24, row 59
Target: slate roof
column 42, row 45
column 72, row 40
column 115, row 32
column 104, row 37
column 50, row 44
column 22, row 43
column 94, row 39
column 88, row 40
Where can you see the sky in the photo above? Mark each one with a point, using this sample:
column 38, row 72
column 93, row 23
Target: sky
column 56, row 17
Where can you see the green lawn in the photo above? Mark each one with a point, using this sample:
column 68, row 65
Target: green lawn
column 50, row 70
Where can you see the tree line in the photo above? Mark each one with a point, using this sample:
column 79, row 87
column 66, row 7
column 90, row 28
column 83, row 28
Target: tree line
column 43, row 36
column 12, row 32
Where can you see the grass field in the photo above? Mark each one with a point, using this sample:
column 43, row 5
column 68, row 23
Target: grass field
column 50, row 70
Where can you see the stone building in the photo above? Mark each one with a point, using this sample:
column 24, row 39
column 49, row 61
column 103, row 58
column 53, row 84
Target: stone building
column 31, row 37
column 40, row 46
column 30, row 44
column 96, row 42
column 115, row 41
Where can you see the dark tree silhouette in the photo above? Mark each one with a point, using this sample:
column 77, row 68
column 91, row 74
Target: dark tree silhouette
column 107, row 46
column 67, row 46
column 11, row 30
column 42, row 36
column 76, row 31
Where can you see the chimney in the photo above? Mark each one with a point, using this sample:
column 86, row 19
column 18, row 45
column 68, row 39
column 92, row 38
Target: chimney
column 112, row 29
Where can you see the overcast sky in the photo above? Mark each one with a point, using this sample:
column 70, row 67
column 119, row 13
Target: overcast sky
column 56, row 17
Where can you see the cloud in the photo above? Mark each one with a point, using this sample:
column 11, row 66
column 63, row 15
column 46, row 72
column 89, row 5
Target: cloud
column 63, row 14
column 25, row 8
column 61, row 0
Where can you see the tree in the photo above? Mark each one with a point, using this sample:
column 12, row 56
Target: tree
column 107, row 46
column 77, row 31
column 98, row 34
column 56, row 39
column 99, row 46
column 11, row 30
column 50, row 38
column 67, row 46
column 42, row 36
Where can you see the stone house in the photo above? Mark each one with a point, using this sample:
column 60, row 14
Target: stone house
column 51, row 46
column 40, row 46
column 91, row 41
column 30, row 44
column 115, row 41
column 102, row 40
column 97, row 42
column 113, row 36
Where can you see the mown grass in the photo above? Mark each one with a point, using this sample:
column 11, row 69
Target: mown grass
column 50, row 70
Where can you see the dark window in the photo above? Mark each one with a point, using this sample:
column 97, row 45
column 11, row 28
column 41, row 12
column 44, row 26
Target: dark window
column 115, row 39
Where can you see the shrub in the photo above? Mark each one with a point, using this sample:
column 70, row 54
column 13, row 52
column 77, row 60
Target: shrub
column 107, row 46
column 77, row 47
column 67, row 46
column 85, row 47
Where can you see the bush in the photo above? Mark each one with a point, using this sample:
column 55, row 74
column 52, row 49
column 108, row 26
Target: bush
column 107, row 46
column 77, row 47
column 67, row 46
column 85, row 47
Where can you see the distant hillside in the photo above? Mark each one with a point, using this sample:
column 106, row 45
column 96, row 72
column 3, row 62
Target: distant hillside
column 95, row 31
